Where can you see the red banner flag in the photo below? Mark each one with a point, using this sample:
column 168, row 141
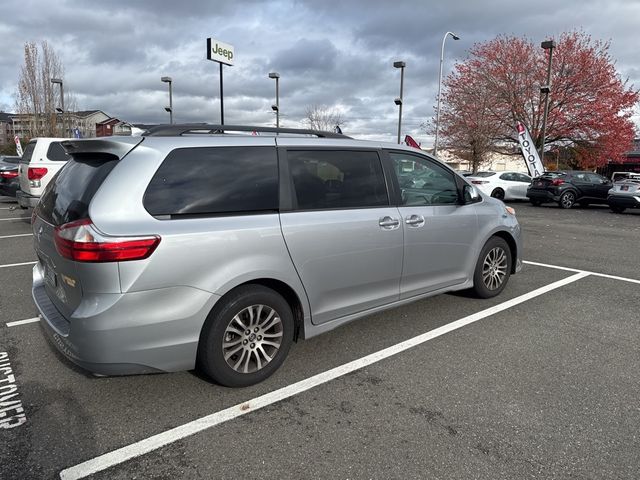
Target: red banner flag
column 409, row 141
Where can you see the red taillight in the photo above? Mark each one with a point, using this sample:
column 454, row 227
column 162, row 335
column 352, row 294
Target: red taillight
column 36, row 173
column 81, row 242
column 556, row 182
column 10, row 174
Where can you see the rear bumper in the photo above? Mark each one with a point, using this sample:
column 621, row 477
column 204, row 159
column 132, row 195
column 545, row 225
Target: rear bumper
column 130, row 333
column 542, row 196
column 25, row 200
column 625, row 201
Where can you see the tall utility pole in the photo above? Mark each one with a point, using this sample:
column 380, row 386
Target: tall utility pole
column 62, row 110
column 276, row 107
column 398, row 101
column 170, row 107
column 546, row 89
column 455, row 37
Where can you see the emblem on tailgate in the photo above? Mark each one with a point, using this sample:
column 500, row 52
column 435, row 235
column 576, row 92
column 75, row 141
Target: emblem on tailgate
column 68, row 280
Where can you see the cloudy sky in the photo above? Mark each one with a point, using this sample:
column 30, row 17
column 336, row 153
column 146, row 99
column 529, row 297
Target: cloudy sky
column 336, row 53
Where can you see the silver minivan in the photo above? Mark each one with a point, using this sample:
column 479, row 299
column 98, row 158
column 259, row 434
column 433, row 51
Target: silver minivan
column 209, row 247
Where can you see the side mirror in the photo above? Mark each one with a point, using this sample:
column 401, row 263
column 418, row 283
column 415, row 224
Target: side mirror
column 471, row 194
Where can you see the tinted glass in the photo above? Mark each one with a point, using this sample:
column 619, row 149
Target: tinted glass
column 508, row 176
column 28, row 152
column 209, row 181
column 57, row 153
column 11, row 160
column 337, row 179
column 69, row 193
column 484, row 174
column 423, row 182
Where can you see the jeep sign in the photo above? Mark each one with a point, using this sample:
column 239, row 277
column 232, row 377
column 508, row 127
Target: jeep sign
column 219, row 52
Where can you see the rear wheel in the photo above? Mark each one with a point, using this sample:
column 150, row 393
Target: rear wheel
column 246, row 337
column 567, row 199
column 616, row 209
column 498, row 193
column 492, row 269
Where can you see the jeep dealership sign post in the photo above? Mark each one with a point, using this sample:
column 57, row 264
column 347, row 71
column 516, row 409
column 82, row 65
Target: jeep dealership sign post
column 223, row 54
column 534, row 165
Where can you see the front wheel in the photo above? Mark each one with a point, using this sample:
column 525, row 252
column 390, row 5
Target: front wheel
column 246, row 337
column 492, row 269
column 567, row 199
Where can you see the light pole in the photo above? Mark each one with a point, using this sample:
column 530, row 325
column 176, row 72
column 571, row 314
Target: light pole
column 398, row 101
column 276, row 107
column 455, row 37
column 546, row 89
column 170, row 107
column 59, row 82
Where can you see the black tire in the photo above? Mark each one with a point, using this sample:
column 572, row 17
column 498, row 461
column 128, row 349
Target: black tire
column 536, row 203
column 567, row 199
column 498, row 193
column 236, row 305
column 486, row 271
column 616, row 209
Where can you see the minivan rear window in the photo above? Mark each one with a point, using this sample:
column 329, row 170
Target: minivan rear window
column 57, row 153
column 69, row 193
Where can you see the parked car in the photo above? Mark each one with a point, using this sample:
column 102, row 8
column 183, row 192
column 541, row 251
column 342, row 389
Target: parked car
column 617, row 176
column 502, row 185
column 625, row 194
column 41, row 160
column 568, row 188
column 175, row 250
column 9, row 181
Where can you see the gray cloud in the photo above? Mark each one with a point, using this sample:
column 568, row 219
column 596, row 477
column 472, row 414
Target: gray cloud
column 332, row 53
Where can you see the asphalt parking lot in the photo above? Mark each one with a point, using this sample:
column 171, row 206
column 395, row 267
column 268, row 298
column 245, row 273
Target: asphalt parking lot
column 541, row 382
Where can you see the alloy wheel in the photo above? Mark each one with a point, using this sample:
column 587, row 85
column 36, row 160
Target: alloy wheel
column 494, row 268
column 252, row 339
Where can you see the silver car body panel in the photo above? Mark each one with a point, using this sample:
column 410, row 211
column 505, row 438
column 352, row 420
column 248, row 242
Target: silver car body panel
column 147, row 315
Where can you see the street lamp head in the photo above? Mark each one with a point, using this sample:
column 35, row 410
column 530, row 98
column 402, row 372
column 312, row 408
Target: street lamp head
column 167, row 109
column 545, row 89
column 56, row 80
column 166, row 79
column 274, row 75
column 548, row 44
column 274, row 108
column 59, row 110
column 399, row 64
column 454, row 36
column 398, row 101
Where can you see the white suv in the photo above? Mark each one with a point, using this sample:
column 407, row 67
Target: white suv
column 42, row 159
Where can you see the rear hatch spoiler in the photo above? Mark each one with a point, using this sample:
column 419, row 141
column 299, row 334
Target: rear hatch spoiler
column 115, row 146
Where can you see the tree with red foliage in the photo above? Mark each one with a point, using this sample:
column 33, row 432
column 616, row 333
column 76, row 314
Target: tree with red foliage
column 499, row 84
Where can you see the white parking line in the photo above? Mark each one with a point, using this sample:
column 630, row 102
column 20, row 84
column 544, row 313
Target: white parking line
column 595, row 274
column 18, row 235
column 14, row 218
column 22, row 322
column 17, row 264
column 154, row 442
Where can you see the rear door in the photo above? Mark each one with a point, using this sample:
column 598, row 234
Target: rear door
column 66, row 200
column 23, row 167
column 343, row 236
column 438, row 231
column 599, row 186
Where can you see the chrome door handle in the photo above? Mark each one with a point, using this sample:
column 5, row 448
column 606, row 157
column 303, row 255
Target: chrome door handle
column 389, row 223
column 414, row 220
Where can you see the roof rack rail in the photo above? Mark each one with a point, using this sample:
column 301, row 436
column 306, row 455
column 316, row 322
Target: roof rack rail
column 177, row 130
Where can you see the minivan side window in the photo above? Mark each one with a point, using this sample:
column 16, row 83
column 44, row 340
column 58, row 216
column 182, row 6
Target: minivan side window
column 330, row 179
column 214, row 181
column 422, row 181
column 56, row 153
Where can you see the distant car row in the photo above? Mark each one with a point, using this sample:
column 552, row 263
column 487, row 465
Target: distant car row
column 566, row 188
